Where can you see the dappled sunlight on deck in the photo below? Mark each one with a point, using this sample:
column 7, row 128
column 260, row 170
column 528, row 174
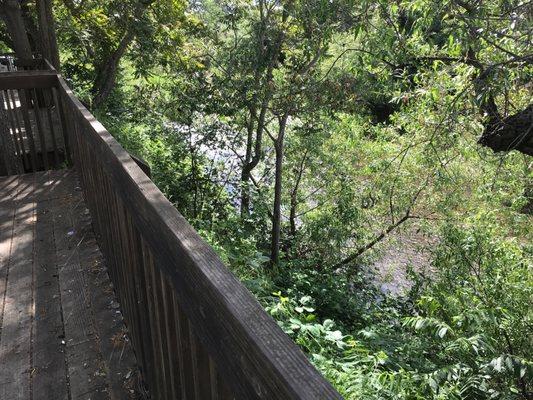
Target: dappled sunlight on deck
column 61, row 329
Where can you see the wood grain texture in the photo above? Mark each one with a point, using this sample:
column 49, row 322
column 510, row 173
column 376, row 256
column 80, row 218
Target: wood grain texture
column 28, row 80
column 35, row 118
column 62, row 335
column 34, row 95
column 18, row 312
column 49, row 377
column 28, row 131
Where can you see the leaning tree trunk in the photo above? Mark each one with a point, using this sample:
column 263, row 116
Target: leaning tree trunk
column 10, row 163
column 512, row 133
column 106, row 78
column 107, row 73
column 12, row 16
column 47, row 32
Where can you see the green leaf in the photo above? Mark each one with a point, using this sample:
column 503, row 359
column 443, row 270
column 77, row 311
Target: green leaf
column 442, row 332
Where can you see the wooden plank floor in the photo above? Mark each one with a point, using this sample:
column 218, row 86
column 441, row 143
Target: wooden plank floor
column 61, row 330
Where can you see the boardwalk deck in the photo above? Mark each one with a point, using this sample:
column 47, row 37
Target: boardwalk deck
column 61, row 330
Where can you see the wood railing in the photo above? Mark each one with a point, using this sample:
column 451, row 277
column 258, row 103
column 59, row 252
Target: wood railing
column 196, row 330
column 9, row 62
column 31, row 113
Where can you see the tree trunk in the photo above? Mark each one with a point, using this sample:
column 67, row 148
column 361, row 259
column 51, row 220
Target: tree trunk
column 107, row 73
column 47, row 32
column 353, row 256
column 251, row 162
column 31, row 27
column 12, row 16
column 258, row 147
column 294, row 195
column 106, row 78
column 276, row 214
column 246, row 171
column 512, row 133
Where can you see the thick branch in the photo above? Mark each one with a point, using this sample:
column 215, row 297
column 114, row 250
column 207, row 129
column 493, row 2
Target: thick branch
column 512, row 133
column 108, row 72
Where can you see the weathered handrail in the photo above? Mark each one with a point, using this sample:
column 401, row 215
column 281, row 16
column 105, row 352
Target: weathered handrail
column 10, row 62
column 196, row 330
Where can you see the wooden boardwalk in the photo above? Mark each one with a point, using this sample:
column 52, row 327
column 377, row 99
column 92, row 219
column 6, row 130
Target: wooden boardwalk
column 197, row 332
column 62, row 334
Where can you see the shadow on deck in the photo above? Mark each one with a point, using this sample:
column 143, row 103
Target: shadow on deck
column 62, row 334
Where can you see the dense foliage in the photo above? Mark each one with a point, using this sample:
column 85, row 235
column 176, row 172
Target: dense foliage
column 315, row 143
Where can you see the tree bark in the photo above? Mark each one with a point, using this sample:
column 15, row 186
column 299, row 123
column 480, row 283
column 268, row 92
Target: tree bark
column 47, row 32
column 294, row 195
column 31, row 27
column 512, row 133
column 246, row 171
column 253, row 161
column 278, row 185
column 107, row 72
column 105, row 81
column 12, row 16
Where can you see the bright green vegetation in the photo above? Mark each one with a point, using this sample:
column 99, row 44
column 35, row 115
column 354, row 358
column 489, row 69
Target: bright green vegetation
column 306, row 139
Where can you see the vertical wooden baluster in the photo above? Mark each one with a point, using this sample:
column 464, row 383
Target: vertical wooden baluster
column 13, row 106
column 40, row 129
column 176, row 327
column 213, row 381
column 159, row 382
column 64, row 126
column 120, row 250
column 161, row 332
column 52, row 128
column 166, row 343
column 112, row 224
column 5, row 106
column 201, row 371
column 219, row 388
column 107, row 222
column 134, row 324
column 172, row 335
column 125, row 257
column 146, row 334
column 184, row 350
column 24, row 100
column 218, row 385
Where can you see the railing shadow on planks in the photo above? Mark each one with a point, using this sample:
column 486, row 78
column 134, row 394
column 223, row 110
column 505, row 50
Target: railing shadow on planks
column 196, row 330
